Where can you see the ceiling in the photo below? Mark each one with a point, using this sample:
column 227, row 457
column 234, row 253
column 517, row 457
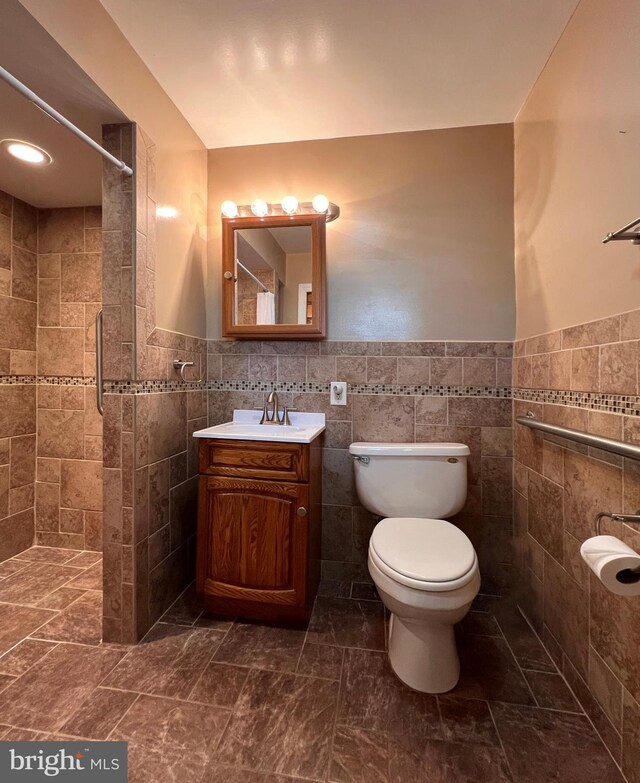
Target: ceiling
column 293, row 239
column 74, row 178
column 263, row 71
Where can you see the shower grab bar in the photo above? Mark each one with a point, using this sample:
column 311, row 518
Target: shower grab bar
column 55, row 115
column 99, row 365
column 596, row 441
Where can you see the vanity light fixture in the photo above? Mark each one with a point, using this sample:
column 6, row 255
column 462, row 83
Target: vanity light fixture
column 289, row 206
column 229, row 209
column 320, row 203
column 26, row 152
column 260, row 208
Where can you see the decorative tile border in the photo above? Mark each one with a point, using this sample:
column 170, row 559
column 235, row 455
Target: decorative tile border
column 404, row 390
column 629, row 405
column 18, row 380
column 48, row 380
column 300, row 387
column 152, row 387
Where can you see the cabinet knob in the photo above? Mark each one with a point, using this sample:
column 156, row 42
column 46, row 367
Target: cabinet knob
column 302, row 511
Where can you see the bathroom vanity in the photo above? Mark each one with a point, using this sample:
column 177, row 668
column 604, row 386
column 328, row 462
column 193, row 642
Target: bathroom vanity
column 259, row 517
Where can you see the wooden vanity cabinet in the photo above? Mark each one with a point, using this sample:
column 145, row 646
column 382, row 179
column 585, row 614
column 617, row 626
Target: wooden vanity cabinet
column 259, row 520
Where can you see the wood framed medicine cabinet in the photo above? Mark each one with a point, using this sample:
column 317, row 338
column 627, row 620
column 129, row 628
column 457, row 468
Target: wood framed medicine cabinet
column 284, row 257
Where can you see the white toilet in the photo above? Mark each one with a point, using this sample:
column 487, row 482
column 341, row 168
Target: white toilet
column 425, row 568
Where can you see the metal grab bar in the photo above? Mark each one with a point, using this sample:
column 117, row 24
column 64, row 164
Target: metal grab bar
column 597, row 441
column 99, row 364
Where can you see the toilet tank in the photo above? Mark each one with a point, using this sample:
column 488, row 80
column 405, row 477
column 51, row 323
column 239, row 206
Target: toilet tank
column 411, row 479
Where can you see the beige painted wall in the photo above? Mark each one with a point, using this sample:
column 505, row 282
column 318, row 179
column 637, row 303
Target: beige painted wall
column 576, row 147
column 424, row 246
column 265, row 245
column 89, row 35
column 298, row 271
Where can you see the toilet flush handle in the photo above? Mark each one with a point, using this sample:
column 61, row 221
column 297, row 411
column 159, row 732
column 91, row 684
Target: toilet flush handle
column 364, row 460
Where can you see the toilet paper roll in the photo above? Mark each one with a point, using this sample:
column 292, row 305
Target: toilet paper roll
column 615, row 564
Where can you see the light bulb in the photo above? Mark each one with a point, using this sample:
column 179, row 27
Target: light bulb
column 166, row 212
column 229, row 209
column 290, row 204
column 320, row 203
column 260, row 208
column 27, row 153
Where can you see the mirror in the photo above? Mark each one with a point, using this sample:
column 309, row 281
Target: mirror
column 274, row 277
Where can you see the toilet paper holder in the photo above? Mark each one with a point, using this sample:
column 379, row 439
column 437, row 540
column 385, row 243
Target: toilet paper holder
column 613, row 561
column 632, row 518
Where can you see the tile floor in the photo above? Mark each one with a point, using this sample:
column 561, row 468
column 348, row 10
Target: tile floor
column 212, row 701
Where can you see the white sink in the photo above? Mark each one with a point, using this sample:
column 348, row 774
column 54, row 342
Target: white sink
column 304, row 428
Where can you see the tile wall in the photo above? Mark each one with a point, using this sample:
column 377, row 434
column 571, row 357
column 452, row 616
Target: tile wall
column 432, row 391
column 50, row 434
column 119, row 409
column 584, row 377
column 69, row 428
column 247, row 290
column 18, row 313
column 150, row 467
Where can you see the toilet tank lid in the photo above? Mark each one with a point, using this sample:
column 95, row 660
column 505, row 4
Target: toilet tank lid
column 363, row 449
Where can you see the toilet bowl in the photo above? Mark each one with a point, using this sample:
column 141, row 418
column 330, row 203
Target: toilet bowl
column 425, row 569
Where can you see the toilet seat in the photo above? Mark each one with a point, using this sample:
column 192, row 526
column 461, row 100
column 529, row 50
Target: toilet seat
column 425, row 554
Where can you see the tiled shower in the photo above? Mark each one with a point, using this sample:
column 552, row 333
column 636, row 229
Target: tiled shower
column 52, row 435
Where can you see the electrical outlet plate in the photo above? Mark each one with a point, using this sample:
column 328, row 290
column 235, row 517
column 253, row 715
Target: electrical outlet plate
column 338, row 393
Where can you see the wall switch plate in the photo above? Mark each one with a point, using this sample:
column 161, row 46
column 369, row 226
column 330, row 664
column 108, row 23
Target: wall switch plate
column 338, row 393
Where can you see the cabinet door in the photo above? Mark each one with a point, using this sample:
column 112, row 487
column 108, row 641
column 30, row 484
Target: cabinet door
column 252, row 541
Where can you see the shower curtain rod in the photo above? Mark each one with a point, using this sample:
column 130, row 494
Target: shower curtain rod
column 250, row 273
column 55, row 115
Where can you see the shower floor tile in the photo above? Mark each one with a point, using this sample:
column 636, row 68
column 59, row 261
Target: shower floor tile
column 45, row 554
column 38, row 580
column 210, row 700
column 81, row 622
column 17, row 622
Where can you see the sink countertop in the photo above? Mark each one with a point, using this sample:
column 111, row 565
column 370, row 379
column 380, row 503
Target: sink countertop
column 304, row 428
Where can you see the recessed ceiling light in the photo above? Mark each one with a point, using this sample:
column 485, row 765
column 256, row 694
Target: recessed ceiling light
column 27, row 153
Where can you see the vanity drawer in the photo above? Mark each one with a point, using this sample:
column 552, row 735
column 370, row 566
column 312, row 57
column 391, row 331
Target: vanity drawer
column 255, row 459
